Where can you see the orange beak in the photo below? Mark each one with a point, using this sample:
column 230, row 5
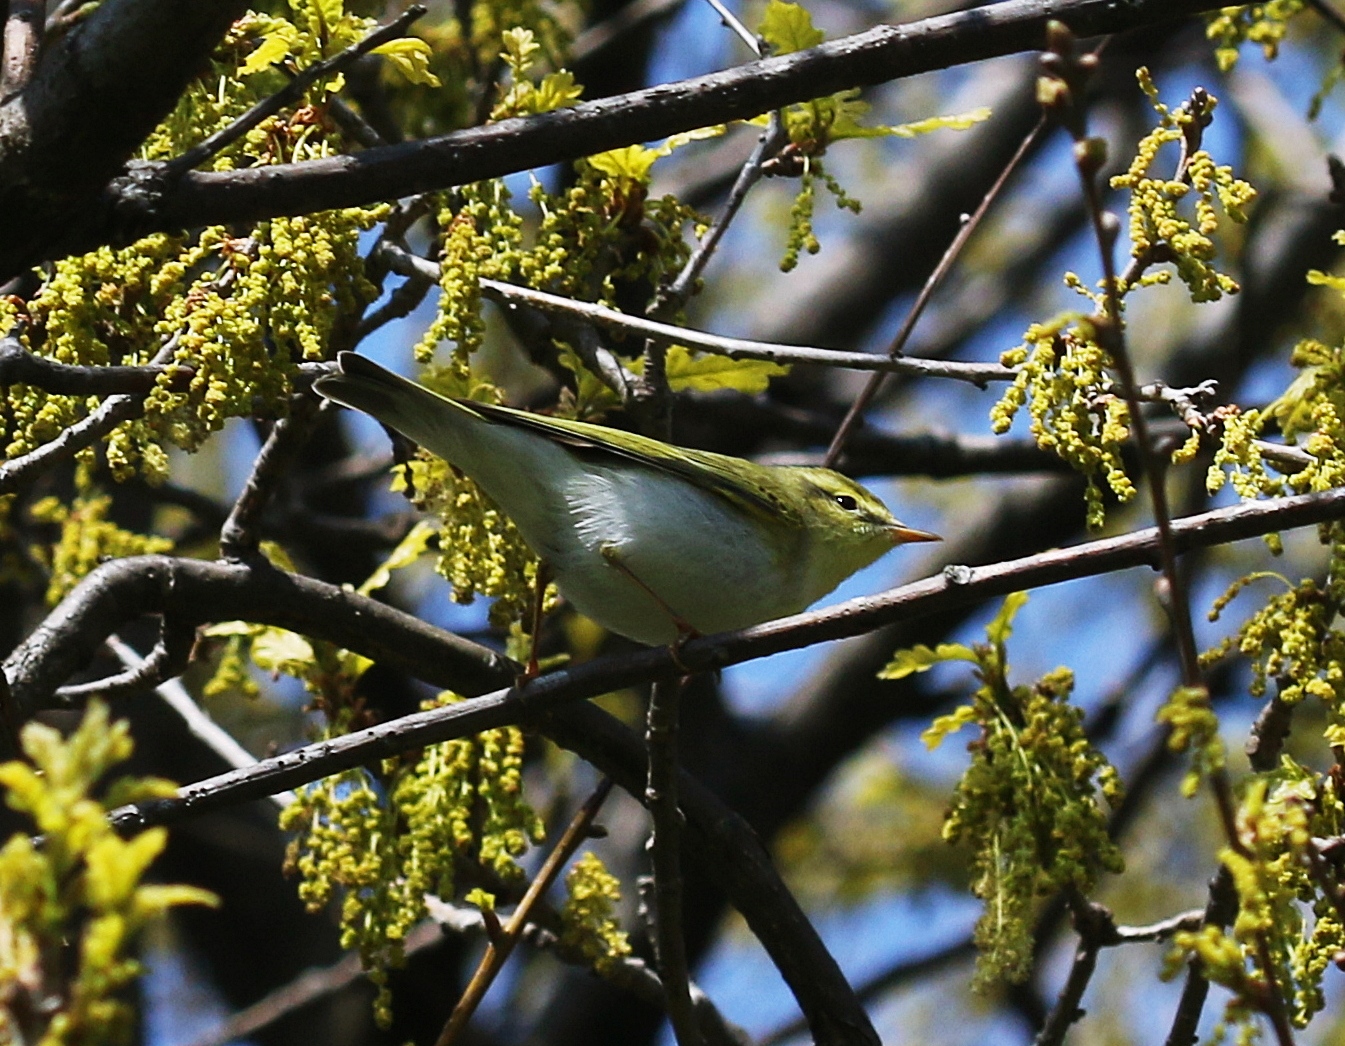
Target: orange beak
column 902, row 534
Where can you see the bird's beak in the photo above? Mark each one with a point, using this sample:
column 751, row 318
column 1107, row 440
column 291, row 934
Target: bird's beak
column 902, row 534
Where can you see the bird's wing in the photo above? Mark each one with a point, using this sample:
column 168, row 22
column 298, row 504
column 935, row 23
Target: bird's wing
column 701, row 468
column 367, row 386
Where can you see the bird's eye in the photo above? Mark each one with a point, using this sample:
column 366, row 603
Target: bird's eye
column 846, row 502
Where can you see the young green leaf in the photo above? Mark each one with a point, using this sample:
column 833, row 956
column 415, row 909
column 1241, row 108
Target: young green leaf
column 788, row 28
column 921, row 658
column 710, row 373
column 410, row 57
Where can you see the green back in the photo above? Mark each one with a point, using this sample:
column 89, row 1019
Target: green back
column 731, row 478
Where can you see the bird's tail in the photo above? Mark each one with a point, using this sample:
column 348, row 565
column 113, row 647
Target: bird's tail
column 418, row 413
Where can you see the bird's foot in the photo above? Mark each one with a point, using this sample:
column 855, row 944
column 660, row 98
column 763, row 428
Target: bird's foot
column 685, row 634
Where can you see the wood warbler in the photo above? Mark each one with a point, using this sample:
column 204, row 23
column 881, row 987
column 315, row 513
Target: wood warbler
column 650, row 540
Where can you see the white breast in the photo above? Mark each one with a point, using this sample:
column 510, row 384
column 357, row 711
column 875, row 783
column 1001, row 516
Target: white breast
column 569, row 511
column 655, row 525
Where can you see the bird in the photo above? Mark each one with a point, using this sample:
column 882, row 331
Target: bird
column 652, row 541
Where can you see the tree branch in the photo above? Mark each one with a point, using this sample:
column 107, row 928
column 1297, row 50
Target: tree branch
column 1220, row 909
column 308, row 987
column 289, row 94
column 22, row 40
column 88, row 430
column 728, row 852
column 291, row 601
column 665, row 850
column 196, row 592
column 502, row 944
column 880, row 55
column 957, row 586
column 241, row 532
column 169, row 658
column 18, row 366
column 932, row 283
column 193, row 716
column 95, row 95
column 511, row 295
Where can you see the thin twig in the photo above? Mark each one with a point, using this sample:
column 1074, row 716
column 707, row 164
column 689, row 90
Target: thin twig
column 1146, row 771
column 1066, row 1009
column 908, row 970
column 171, row 654
column 287, row 95
column 1219, row 911
column 626, row 972
column 18, row 366
column 903, row 972
column 241, row 531
column 1111, row 334
column 665, row 849
column 673, row 297
column 202, row 727
column 1097, row 929
column 1185, row 403
column 651, row 393
column 308, row 987
column 627, row 18
column 88, row 430
column 66, row 10
column 353, row 124
column 406, row 298
column 731, row 21
column 502, row 944
column 1283, row 457
column 1329, row 13
column 1266, row 738
column 401, row 302
column 936, row 278
column 600, row 360
column 169, row 657
column 508, row 294
column 113, row 411
column 731, row 856
column 1110, row 329
column 1326, row 873
column 1163, row 929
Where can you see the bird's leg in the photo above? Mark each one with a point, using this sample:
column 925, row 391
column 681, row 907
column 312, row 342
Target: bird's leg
column 538, row 600
column 685, row 630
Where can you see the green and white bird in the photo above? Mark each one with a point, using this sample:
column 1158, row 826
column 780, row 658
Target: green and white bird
column 650, row 540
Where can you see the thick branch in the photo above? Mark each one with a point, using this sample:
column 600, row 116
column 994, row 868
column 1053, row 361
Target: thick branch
column 18, row 366
column 95, row 95
column 40, row 664
column 21, row 43
column 195, row 592
column 728, row 852
column 877, row 56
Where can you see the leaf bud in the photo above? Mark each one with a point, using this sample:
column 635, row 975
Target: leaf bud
column 1053, row 95
column 1090, row 154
